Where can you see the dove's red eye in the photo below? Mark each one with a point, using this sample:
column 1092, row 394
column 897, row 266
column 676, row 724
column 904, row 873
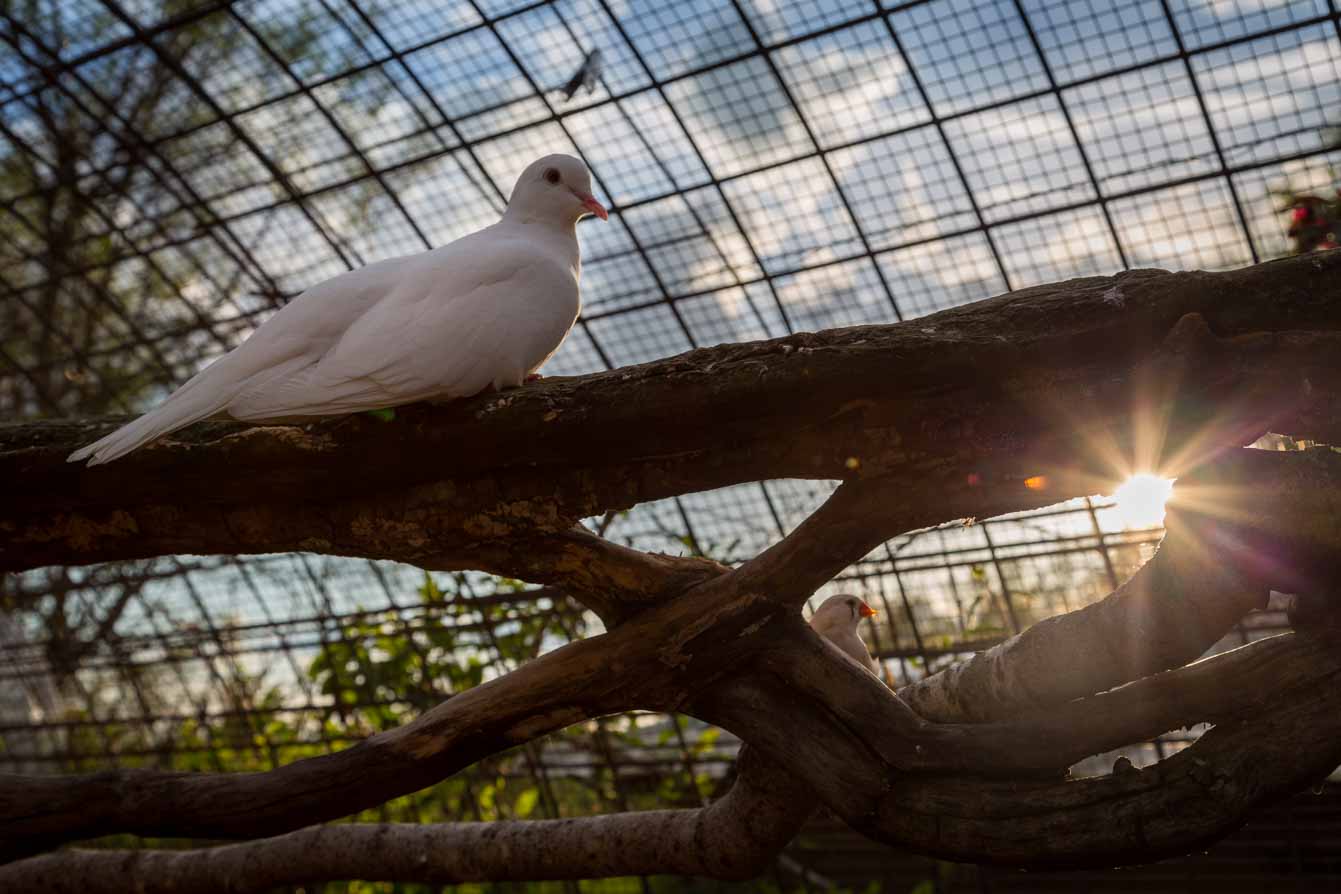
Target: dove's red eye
column 551, row 175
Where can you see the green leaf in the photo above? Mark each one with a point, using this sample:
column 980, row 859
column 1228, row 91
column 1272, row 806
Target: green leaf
column 430, row 591
column 526, row 802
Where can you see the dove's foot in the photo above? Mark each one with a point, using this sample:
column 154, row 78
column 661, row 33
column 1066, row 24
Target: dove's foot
column 533, row 377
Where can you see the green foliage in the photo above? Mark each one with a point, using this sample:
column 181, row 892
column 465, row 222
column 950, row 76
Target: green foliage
column 380, row 670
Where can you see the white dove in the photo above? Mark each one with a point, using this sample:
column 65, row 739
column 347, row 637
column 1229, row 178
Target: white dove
column 837, row 619
column 487, row 309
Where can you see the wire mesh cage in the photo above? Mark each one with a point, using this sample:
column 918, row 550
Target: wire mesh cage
column 172, row 171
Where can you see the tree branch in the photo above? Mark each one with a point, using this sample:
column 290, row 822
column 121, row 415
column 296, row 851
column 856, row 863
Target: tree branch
column 844, row 738
column 692, row 651
column 1169, row 369
column 1245, row 523
column 991, row 388
column 865, row 512
column 558, row 689
column 734, row 838
column 1181, row 804
column 613, row 581
column 654, row 660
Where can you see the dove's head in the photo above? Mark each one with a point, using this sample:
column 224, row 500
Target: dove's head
column 557, row 189
column 840, row 612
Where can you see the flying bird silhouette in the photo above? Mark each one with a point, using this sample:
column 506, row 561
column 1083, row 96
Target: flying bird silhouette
column 586, row 76
column 487, row 309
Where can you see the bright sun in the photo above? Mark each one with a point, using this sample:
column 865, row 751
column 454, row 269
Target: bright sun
column 1141, row 499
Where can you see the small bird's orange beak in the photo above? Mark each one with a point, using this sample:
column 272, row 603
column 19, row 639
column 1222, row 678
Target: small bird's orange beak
column 595, row 207
column 866, row 611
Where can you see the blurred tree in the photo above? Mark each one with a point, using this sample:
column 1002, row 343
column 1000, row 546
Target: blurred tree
column 95, row 310
column 87, row 145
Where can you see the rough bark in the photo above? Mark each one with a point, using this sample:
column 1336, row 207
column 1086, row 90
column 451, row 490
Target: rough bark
column 1034, row 382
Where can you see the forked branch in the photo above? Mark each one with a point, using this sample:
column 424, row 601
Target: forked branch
column 944, row 417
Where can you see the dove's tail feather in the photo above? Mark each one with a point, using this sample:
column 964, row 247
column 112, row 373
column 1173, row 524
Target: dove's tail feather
column 178, row 411
column 206, row 393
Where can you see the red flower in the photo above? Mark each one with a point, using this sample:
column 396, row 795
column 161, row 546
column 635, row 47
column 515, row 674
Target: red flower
column 1300, row 215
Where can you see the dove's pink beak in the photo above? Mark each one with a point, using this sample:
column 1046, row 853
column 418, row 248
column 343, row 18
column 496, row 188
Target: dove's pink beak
column 595, row 207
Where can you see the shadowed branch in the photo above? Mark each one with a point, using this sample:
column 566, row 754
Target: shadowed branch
column 1037, row 381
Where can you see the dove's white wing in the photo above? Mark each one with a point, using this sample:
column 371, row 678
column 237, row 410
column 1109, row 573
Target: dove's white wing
column 295, row 337
column 456, row 321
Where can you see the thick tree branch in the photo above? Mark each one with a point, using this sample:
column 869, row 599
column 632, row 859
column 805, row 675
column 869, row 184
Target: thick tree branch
column 736, row 837
column 1183, row 803
column 843, row 738
column 691, row 651
column 865, row 512
column 947, row 416
column 655, row 660
column 1053, row 376
column 1248, row 522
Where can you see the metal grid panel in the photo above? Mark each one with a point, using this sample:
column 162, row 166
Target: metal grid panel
column 770, row 168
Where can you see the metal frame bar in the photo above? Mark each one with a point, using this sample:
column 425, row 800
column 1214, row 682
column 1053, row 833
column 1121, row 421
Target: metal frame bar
column 1186, row 59
column 936, row 120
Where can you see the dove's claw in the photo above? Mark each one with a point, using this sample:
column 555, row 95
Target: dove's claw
column 533, row 377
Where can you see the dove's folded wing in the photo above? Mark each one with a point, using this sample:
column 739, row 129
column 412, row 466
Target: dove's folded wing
column 430, row 339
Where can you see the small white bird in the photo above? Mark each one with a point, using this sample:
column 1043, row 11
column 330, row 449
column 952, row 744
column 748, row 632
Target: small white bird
column 837, row 619
column 487, row 309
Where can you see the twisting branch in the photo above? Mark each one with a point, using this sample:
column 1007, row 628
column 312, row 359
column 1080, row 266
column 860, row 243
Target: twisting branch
column 947, row 416
column 691, row 652
column 1287, row 738
column 554, row 691
column 1276, row 704
column 654, row 660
